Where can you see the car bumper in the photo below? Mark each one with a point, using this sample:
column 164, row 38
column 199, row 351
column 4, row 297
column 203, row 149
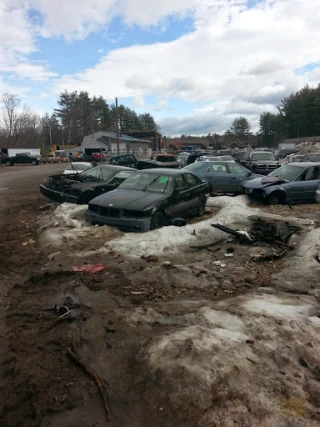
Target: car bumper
column 124, row 224
column 318, row 196
column 57, row 196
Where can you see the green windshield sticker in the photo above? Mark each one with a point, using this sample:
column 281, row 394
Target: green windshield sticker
column 163, row 179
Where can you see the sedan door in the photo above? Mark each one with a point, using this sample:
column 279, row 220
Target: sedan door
column 238, row 174
column 311, row 183
column 179, row 200
column 218, row 177
column 304, row 187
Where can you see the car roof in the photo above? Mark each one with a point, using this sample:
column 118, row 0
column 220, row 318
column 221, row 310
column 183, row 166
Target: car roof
column 304, row 164
column 165, row 171
column 116, row 167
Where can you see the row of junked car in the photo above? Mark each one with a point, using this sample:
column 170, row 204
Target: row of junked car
column 140, row 200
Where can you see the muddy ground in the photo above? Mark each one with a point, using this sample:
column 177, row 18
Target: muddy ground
column 114, row 318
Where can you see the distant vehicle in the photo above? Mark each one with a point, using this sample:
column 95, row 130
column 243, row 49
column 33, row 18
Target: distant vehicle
column 130, row 160
column 312, row 157
column 168, row 160
column 284, row 152
column 23, row 159
column 222, row 177
column 99, row 157
column 261, row 162
column 183, row 158
column 215, row 159
column 292, row 183
column 3, row 157
column 225, row 152
column 262, row 149
column 50, row 158
column 77, row 167
column 150, row 199
column 81, row 188
column 294, row 158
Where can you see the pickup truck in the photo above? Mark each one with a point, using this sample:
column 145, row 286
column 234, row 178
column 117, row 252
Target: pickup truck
column 50, row 159
column 130, row 160
column 23, row 158
column 262, row 162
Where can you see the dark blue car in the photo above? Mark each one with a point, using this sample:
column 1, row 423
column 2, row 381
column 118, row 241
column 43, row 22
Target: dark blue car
column 292, row 183
column 223, row 177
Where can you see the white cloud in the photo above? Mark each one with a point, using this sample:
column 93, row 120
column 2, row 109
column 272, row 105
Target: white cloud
column 240, row 60
column 235, row 61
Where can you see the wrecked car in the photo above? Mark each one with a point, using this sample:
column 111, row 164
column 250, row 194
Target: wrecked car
column 82, row 187
column 223, row 177
column 292, row 183
column 150, row 199
column 168, row 160
column 131, row 161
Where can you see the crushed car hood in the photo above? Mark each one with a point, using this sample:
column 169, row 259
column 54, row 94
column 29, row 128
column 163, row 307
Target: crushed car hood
column 127, row 199
column 263, row 182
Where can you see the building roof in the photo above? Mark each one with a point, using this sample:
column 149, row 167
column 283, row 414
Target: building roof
column 92, row 140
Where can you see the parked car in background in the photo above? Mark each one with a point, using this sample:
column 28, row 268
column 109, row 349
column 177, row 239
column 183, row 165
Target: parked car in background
column 311, row 157
column 242, row 157
column 294, row 158
column 149, row 199
column 168, row 160
column 23, row 159
column 3, row 157
column 81, row 188
column 223, row 152
column 215, row 159
column 292, row 183
column 284, row 152
column 77, row 167
column 130, row 160
column 50, row 158
column 261, row 162
column 222, row 177
column 183, row 158
column 98, row 157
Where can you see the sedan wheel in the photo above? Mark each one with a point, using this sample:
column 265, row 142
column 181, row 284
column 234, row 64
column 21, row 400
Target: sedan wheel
column 157, row 220
column 202, row 206
column 8, row 163
column 276, row 199
column 34, row 162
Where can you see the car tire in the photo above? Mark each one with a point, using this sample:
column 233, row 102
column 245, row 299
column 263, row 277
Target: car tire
column 34, row 162
column 157, row 220
column 85, row 198
column 276, row 198
column 9, row 164
column 202, row 206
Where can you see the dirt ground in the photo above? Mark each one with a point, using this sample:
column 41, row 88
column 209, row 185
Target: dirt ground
column 41, row 385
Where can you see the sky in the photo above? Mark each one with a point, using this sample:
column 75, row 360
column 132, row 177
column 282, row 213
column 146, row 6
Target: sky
column 195, row 65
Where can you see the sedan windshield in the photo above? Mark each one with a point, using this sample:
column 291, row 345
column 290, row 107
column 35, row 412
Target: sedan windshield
column 262, row 156
column 98, row 173
column 288, row 172
column 142, row 181
column 194, row 166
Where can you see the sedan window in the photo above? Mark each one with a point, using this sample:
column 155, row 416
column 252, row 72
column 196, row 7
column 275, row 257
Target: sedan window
column 179, row 183
column 234, row 168
column 120, row 177
column 217, row 167
column 289, row 172
column 191, row 180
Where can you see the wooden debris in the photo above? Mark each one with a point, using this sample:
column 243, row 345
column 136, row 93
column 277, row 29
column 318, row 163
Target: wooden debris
column 95, row 378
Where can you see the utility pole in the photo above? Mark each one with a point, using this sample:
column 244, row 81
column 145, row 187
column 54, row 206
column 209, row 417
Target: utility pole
column 117, row 126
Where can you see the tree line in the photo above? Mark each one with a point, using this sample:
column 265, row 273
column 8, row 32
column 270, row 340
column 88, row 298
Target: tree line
column 298, row 116
column 76, row 116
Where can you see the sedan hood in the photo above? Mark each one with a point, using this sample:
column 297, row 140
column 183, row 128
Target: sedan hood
column 266, row 181
column 127, row 199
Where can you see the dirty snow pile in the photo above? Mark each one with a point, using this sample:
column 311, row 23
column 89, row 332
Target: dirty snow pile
column 302, row 272
column 66, row 225
column 234, row 212
column 251, row 360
